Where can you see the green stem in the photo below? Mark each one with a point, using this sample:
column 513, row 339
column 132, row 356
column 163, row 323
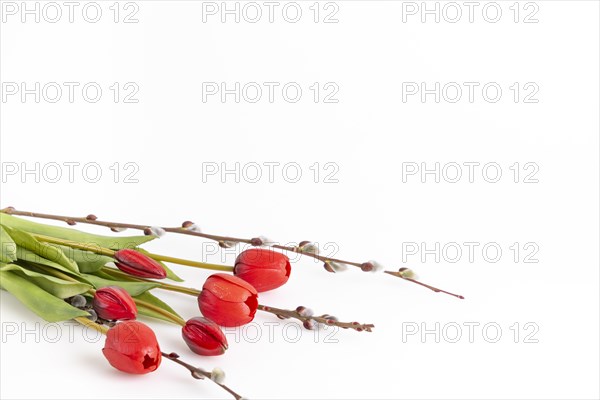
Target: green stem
column 174, row 288
column 76, row 245
column 86, row 322
column 111, row 253
column 164, row 286
column 56, row 273
column 190, row 263
column 174, row 318
column 180, row 289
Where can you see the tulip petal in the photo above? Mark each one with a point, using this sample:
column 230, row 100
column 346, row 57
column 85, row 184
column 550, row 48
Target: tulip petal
column 114, row 303
column 262, row 279
column 138, row 264
column 263, row 258
column 263, row 268
column 204, row 337
column 229, row 288
column 131, row 347
column 226, row 313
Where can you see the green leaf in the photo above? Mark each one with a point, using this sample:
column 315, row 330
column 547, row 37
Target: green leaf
column 29, row 256
column 87, row 261
column 58, row 287
column 47, row 306
column 150, row 298
column 111, row 242
column 8, row 247
column 45, row 250
column 170, row 274
column 134, row 288
column 104, row 275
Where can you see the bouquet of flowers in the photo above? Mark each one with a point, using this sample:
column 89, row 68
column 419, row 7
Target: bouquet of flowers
column 106, row 282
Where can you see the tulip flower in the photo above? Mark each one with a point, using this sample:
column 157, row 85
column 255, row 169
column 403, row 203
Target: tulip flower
column 131, row 347
column 113, row 303
column 263, row 268
column 204, row 337
column 137, row 264
column 228, row 300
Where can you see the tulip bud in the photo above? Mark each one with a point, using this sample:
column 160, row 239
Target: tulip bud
column 137, row 264
column 113, row 303
column 131, row 347
column 263, row 268
column 228, row 300
column 204, row 337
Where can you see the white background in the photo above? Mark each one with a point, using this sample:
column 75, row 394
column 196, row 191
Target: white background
column 172, row 136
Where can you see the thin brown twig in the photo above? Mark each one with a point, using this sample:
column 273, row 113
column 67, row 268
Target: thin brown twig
column 280, row 312
column 399, row 275
column 323, row 319
column 92, row 220
column 199, row 373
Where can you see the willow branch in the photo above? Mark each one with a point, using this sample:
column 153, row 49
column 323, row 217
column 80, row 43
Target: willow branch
column 224, row 241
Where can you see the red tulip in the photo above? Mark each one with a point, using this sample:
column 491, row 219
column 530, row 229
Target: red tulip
column 264, row 269
column 137, row 264
column 204, row 337
column 131, row 347
column 228, row 300
column 113, row 302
